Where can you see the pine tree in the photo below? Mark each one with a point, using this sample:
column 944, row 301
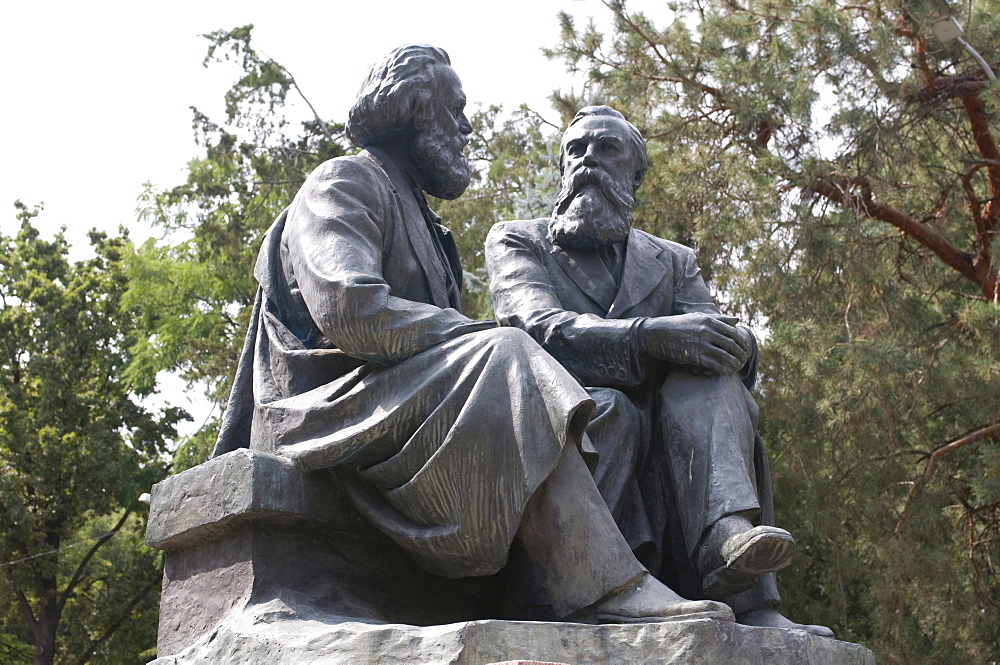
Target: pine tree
column 835, row 166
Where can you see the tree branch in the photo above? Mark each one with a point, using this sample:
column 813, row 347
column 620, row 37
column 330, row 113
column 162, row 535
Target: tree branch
column 29, row 616
column 842, row 193
column 291, row 79
column 979, row 119
column 932, row 460
column 618, row 8
column 975, row 205
column 71, row 585
column 319, row 120
column 89, row 651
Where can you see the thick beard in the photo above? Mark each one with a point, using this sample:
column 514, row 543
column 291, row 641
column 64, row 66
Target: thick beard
column 440, row 157
column 592, row 210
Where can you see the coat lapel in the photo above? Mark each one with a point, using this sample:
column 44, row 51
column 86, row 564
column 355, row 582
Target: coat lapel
column 587, row 271
column 642, row 273
column 417, row 231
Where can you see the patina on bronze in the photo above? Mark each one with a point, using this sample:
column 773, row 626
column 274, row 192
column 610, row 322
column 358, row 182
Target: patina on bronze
column 451, row 436
column 680, row 466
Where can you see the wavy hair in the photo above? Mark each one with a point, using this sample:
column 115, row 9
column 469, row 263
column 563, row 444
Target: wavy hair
column 396, row 92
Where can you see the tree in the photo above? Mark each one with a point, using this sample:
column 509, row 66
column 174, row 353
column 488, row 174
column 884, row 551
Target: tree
column 196, row 291
column 836, row 167
column 76, row 451
column 832, row 164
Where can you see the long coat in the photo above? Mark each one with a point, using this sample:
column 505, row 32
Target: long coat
column 358, row 358
column 678, row 451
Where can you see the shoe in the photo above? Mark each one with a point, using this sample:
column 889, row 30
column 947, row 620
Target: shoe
column 767, row 617
column 647, row 600
column 734, row 565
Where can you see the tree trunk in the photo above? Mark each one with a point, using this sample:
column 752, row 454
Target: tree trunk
column 46, row 623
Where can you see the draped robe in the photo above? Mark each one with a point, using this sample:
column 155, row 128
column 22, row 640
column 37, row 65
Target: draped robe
column 359, row 359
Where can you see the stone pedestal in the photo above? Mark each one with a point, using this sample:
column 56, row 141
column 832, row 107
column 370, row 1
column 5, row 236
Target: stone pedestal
column 264, row 564
column 274, row 634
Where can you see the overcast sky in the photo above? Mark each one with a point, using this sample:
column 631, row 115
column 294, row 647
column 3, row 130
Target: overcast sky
column 97, row 94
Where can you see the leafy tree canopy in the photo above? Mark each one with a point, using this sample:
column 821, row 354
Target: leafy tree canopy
column 77, row 448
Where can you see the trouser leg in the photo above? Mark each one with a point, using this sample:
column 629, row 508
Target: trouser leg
column 708, row 426
column 764, row 592
column 570, row 535
column 616, row 432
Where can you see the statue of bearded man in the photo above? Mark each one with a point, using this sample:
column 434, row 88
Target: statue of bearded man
column 680, row 464
column 452, row 436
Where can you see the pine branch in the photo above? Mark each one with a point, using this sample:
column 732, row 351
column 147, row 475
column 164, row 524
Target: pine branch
column 844, row 193
column 932, row 460
column 979, row 119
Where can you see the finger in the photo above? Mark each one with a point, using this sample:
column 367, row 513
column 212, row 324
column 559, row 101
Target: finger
column 721, row 361
column 714, row 365
column 745, row 340
column 726, row 343
column 728, row 320
column 717, row 325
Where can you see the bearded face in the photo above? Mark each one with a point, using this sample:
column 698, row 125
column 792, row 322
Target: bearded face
column 437, row 148
column 593, row 209
column 438, row 151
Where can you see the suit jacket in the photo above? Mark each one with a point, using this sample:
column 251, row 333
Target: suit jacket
column 352, row 272
column 554, row 294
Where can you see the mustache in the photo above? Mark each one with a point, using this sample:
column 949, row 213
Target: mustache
column 617, row 193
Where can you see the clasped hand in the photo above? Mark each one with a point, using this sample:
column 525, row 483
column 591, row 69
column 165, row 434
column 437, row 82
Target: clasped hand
column 709, row 342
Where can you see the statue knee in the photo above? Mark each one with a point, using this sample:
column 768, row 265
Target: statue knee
column 614, row 410
column 506, row 336
column 682, row 386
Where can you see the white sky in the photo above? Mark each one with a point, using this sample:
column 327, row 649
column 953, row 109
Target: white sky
column 96, row 95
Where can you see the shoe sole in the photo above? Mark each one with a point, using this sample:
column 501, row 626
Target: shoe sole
column 769, row 549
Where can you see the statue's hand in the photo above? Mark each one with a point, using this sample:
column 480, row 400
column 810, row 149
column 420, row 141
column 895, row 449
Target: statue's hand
column 707, row 342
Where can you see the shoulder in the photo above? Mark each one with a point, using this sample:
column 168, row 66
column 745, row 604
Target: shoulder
column 360, row 169
column 674, row 250
column 521, row 232
column 343, row 184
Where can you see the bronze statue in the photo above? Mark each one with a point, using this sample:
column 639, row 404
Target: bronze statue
column 452, row 436
column 680, row 464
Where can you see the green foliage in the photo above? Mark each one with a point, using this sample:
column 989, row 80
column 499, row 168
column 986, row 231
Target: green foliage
column 195, row 291
column 834, row 165
column 76, row 450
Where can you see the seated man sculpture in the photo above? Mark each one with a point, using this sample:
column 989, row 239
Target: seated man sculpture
column 629, row 315
column 451, row 436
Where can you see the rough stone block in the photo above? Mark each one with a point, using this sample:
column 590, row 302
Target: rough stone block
column 265, row 564
column 249, row 527
column 241, row 486
column 275, row 634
